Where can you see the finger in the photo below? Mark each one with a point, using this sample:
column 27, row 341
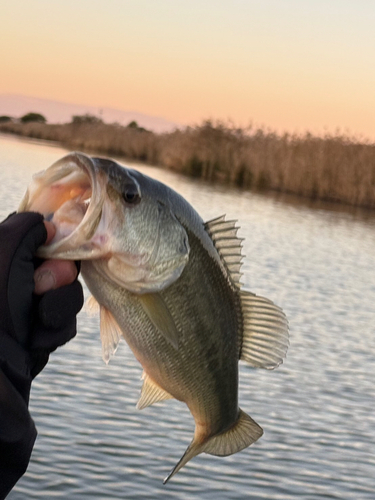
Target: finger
column 51, row 231
column 54, row 274
column 58, row 308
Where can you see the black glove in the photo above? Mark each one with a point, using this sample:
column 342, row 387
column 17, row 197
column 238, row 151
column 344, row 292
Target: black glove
column 31, row 327
column 39, row 324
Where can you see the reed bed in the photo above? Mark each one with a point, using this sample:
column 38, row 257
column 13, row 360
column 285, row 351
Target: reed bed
column 335, row 167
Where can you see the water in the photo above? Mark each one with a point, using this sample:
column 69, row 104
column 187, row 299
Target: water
column 317, row 409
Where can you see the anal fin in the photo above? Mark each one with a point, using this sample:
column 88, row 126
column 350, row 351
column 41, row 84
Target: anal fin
column 151, row 393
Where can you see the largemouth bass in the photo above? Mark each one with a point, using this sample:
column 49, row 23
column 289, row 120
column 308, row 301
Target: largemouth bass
column 170, row 285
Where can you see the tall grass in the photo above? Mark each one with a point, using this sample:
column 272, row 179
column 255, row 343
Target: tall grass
column 335, row 167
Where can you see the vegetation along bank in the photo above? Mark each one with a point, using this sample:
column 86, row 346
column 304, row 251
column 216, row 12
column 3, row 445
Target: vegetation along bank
column 335, row 167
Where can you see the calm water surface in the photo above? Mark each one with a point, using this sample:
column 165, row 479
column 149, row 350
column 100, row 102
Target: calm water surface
column 317, row 409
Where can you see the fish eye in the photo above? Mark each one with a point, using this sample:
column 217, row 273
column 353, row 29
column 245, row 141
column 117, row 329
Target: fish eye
column 131, row 195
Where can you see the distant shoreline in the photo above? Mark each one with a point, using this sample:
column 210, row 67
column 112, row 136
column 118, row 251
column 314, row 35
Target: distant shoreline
column 332, row 168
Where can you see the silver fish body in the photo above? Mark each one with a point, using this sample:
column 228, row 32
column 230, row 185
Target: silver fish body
column 169, row 283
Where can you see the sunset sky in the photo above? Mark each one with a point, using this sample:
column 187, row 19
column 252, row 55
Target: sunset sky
column 289, row 65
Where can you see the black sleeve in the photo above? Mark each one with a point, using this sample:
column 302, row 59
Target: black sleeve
column 17, row 429
column 31, row 327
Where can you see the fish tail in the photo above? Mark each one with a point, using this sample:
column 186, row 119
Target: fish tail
column 192, row 450
column 242, row 434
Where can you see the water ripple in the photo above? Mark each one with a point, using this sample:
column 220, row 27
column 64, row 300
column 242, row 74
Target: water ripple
column 316, row 409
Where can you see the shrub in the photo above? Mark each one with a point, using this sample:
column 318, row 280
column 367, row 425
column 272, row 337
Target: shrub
column 87, row 118
column 33, row 117
column 336, row 168
column 5, row 119
column 134, row 125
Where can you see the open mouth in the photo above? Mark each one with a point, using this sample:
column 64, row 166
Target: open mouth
column 70, row 194
column 68, row 201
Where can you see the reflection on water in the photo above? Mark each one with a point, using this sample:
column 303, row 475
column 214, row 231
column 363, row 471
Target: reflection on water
column 316, row 409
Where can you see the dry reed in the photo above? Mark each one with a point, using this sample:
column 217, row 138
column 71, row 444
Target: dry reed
column 336, row 168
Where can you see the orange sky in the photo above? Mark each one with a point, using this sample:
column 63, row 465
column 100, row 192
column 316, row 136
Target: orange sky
column 289, row 65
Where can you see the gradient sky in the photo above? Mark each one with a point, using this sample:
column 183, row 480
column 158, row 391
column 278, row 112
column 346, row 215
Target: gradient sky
column 286, row 64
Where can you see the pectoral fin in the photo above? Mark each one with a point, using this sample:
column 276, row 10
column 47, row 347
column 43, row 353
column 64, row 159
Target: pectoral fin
column 158, row 312
column 151, row 393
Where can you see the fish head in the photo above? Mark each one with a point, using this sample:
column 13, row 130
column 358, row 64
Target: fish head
column 112, row 216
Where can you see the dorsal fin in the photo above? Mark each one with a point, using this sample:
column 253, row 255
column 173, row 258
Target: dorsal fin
column 265, row 336
column 224, row 236
column 265, row 332
column 110, row 334
column 151, row 393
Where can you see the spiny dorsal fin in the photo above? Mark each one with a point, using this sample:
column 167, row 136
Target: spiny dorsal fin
column 242, row 434
column 265, row 332
column 151, row 393
column 110, row 334
column 157, row 310
column 265, row 329
column 224, row 236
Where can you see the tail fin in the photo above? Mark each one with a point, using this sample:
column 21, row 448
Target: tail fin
column 241, row 435
column 192, row 450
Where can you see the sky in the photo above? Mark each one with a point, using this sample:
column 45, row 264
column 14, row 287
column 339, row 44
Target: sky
column 290, row 65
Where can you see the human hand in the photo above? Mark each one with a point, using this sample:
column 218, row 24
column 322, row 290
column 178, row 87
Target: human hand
column 52, row 274
column 40, row 299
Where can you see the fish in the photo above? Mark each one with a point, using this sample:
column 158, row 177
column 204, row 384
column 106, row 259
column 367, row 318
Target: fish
column 170, row 285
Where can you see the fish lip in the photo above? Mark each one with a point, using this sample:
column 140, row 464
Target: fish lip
column 97, row 180
column 74, row 191
column 76, row 243
column 83, row 162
